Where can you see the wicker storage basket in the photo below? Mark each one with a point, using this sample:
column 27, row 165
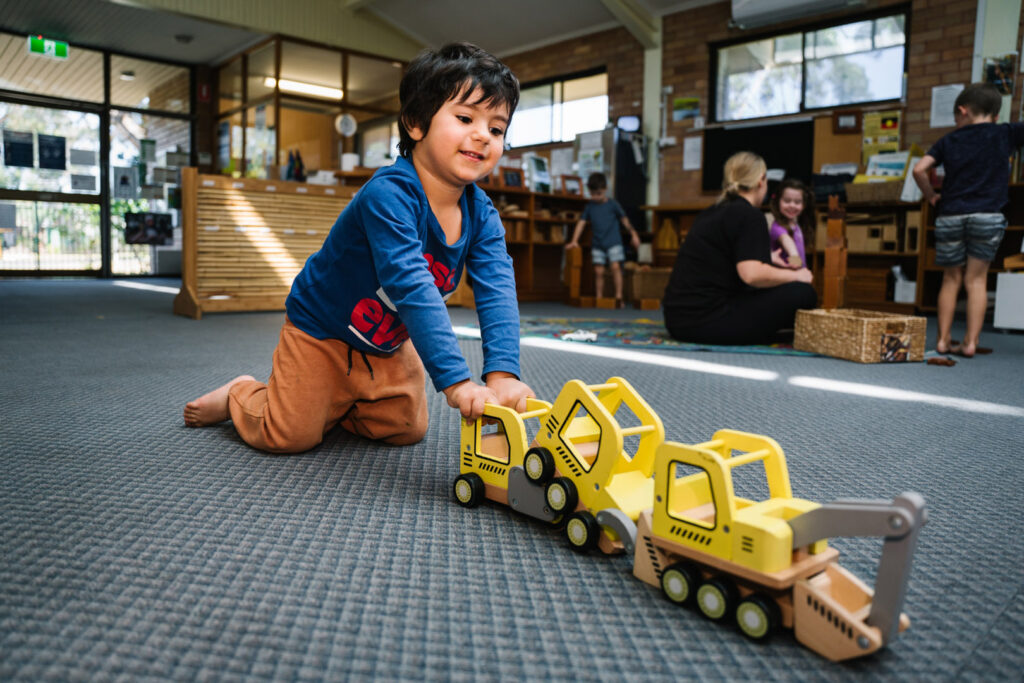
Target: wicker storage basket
column 862, row 336
column 860, row 193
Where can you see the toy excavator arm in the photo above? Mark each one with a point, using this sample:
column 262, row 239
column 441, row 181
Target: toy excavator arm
column 897, row 521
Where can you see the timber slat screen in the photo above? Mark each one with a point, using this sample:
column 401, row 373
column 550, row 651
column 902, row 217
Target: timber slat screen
column 244, row 241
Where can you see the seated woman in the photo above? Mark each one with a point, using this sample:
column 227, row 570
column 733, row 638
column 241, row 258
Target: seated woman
column 724, row 288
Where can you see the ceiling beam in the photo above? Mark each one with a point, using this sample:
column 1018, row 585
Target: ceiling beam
column 644, row 26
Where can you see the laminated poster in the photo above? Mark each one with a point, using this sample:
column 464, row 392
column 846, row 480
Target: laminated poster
column 147, row 151
column 83, row 183
column 881, row 133
column 18, row 149
column 82, row 157
column 52, row 152
column 125, row 182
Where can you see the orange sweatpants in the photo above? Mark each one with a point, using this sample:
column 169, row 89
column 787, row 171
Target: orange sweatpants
column 317, row 383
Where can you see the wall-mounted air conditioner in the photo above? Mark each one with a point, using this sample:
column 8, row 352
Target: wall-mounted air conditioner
column 755, row 13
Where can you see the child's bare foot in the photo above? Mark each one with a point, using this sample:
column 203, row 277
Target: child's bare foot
column 211, row 408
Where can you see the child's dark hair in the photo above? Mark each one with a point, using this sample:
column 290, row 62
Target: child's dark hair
column 596, row 182
column 806, row 220
column 455, row 70
column 981, row 99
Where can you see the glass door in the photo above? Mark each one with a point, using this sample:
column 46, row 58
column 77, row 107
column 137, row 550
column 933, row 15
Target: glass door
column 49, row 190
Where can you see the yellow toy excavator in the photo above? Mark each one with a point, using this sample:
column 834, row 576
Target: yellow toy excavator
column 766, row 563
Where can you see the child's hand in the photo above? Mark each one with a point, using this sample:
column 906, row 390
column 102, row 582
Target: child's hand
column 779, row 259
column 635, row 239
column 469, row 398
column 572, row 245
column 510, row 392
column 934, row 200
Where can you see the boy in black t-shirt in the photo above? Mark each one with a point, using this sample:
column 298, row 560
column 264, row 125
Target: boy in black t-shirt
column 969, row 225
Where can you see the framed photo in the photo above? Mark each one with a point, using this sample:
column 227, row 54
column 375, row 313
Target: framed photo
column 844, row 122
column 511, row 177
column 572, row 184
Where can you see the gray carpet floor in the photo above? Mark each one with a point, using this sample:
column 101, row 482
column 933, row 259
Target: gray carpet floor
column 134, row 548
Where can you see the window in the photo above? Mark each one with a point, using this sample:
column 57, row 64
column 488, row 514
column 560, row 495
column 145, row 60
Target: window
column 857, row 62
column 557, row 111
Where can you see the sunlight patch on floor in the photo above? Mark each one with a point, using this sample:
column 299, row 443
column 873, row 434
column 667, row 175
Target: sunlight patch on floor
column 143, row 285
column 893, row 394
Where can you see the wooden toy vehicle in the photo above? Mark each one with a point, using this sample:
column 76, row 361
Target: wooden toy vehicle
column 766, row 564
column 495, row 465
column 587, row 474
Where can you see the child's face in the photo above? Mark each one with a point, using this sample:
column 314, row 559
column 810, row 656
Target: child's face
column 464, row 141
column 791, row 203
column 598, row 195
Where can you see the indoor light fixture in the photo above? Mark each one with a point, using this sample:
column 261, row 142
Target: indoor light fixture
column 304, row 88
column 127, row 75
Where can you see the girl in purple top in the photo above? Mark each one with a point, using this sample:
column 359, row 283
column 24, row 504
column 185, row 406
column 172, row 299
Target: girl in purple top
column 793, row 213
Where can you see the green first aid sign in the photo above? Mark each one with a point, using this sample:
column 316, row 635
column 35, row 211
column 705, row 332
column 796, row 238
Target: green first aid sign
column 38, row 45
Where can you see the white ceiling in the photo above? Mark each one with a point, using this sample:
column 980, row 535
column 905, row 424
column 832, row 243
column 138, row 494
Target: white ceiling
column 506, row 27
column 123, row 28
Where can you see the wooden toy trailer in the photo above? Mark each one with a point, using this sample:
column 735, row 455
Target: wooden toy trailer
column 766, row 564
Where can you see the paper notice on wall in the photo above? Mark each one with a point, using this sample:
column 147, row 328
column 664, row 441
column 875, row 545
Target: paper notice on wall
column 693, row 153
column 881, row 133
column 177, row 159
column 125, row 182
column 943, row 99
column 82, row 157
column 561, row 161
column 147, row 151
column 83, row 183
column 19, row 149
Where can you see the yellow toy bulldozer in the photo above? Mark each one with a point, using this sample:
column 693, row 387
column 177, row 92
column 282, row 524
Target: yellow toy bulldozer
column 766, row 564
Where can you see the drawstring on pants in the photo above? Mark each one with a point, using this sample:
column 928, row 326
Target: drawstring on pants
column 366, row 361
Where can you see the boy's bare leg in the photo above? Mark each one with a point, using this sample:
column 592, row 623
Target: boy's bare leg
column 599, row 281
column 975, row 283
column 212, row 407
column 617, row 279
column 952, row 278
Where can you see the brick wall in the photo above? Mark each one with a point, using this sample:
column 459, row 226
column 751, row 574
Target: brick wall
column 616, row 50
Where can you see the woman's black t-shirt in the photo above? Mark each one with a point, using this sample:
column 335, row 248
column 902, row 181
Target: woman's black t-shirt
column 704, row 276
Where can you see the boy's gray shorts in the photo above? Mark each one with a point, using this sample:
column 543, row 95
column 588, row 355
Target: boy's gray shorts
column 969, row 234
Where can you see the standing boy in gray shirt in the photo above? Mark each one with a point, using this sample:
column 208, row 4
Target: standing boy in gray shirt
column 604, row 215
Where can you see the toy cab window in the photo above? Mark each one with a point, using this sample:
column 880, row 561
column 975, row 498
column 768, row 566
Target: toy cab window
column 493, row 444
column 689, row 496
column 582, row 436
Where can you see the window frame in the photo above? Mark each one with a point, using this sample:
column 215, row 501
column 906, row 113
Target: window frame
column 803, row 30
column 561, row 80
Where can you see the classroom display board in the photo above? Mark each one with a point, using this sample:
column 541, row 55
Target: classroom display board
column 789, row 146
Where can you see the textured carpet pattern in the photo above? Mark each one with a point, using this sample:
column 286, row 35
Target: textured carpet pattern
column 133, row 548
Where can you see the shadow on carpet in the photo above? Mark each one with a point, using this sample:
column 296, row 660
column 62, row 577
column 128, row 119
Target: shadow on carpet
column 638, row 334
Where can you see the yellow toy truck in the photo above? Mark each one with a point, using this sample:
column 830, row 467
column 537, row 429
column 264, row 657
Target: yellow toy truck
column 767, row 564
column 588, row 475
column 495, row 462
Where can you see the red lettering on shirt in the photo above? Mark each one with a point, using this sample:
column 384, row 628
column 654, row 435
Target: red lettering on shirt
column 386, row 334
column 366, row 314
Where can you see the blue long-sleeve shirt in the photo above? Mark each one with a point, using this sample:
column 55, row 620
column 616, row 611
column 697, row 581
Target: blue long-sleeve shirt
column 385, row 269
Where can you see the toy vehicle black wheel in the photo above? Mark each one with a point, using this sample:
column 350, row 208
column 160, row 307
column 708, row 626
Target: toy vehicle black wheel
column 539, row 465
column 758, row 616
column 561, row 495
column 469, row 490
column 583, row 531
column 679, row 582
column 716, row 598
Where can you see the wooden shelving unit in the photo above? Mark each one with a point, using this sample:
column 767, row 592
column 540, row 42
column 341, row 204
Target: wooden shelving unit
column 536, row 232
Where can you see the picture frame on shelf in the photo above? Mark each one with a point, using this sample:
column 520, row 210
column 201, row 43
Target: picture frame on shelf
column 846, row 122
column 572, row 185
column 511, row 177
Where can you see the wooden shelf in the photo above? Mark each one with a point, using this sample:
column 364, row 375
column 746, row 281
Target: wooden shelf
column 537, row 258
